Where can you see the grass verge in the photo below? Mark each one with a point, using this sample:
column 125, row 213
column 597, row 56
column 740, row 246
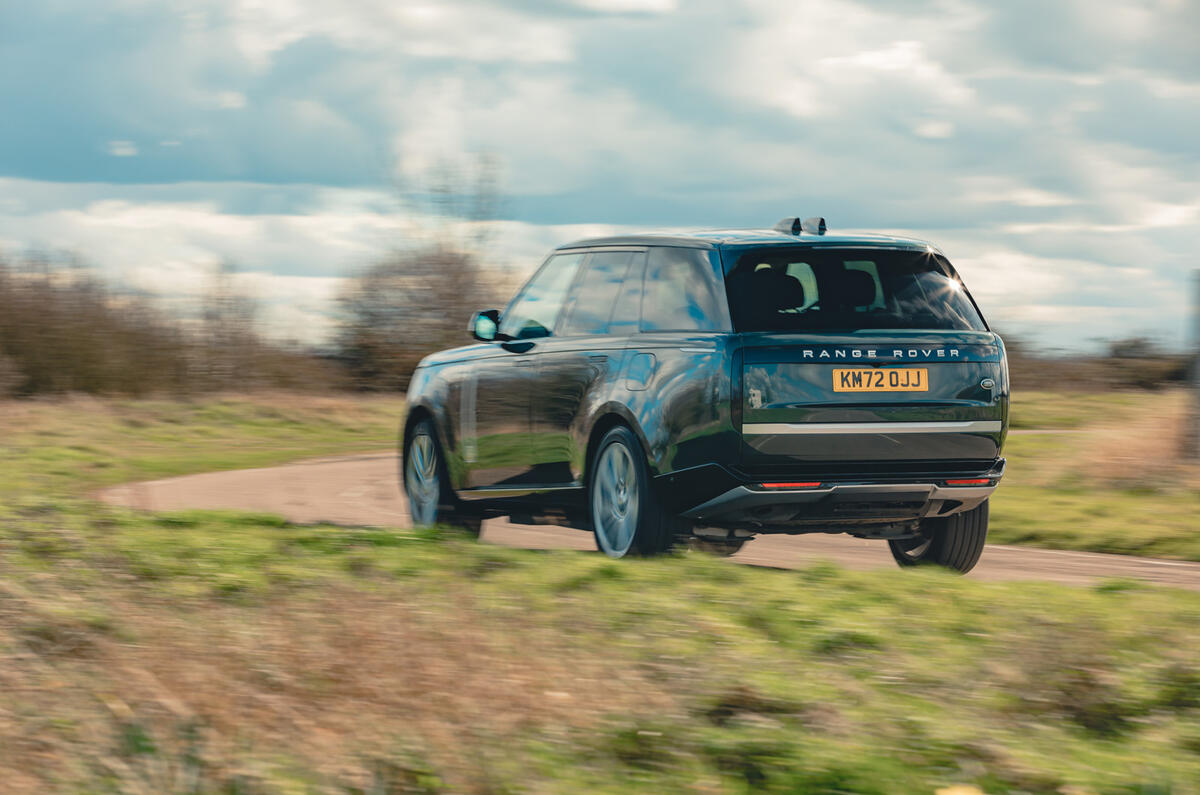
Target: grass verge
column 224, row 653
column 1117, row 483
column 71, row 446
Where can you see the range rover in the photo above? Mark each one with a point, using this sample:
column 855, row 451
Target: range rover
column 705, row 388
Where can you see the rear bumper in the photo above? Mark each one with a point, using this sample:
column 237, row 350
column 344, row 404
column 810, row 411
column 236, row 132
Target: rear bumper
column 841, row 502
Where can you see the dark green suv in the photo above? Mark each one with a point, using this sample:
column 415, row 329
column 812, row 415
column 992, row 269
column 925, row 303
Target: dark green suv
column 719, row 385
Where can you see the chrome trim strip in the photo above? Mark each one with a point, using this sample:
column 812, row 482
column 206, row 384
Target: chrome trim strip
column 830, row 428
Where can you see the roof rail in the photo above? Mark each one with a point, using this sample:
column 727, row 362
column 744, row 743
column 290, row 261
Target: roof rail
column 794, row 226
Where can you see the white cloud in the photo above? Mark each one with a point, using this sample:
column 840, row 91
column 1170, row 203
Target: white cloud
column 626, row 6
column 906, row 59
column 122, row 148
column 231, row 100
column 1007, row 190
column 934, row 129
column 462, row 31
column 819, row 59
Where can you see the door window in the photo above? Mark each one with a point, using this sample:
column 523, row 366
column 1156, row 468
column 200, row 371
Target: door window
column 627, row 314
column 679, row 294
column 592, row 303
column 535, row 311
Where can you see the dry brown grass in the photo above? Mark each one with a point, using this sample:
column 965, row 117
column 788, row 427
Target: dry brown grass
column 1144, row 447
column 341, row 681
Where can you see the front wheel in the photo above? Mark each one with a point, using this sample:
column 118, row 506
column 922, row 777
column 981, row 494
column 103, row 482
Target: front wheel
column 627, row 517
column 430, row 498
column 955, row 541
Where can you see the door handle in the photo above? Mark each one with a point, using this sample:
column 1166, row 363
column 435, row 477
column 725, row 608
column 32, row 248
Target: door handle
column 598, row 358
column 522, row 362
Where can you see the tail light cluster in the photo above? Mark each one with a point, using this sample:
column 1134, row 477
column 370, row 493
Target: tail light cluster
column 816, row 484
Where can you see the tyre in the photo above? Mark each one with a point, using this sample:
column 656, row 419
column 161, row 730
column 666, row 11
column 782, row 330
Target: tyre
column 627, row 517
column 427, row 486
column 954, row 542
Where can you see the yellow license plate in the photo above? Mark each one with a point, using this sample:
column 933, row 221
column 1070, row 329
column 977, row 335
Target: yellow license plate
column 875, row 380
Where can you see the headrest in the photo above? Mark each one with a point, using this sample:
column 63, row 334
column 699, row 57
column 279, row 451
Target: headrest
column 850, row 288
column 774, row 290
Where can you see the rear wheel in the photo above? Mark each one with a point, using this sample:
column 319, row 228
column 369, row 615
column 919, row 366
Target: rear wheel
column 430, row 499
column 627, row 517
column 955, row 542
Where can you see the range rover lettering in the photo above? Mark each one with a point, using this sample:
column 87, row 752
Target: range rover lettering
column 710, row 387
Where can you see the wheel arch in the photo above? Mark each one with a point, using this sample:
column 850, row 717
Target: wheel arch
column 415, row 415
column 605, row 419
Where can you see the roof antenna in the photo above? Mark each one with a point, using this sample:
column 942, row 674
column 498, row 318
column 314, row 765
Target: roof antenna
column 794, row 226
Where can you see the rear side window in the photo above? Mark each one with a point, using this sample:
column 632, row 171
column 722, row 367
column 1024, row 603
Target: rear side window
column 535, row 311
column 842, row 290
column 594, row 297
column 679, row 292
column 626, row 315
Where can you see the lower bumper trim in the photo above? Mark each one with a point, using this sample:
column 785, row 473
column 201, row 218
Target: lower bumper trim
column 863, row 502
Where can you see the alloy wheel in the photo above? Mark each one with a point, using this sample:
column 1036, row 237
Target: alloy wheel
column 615, row 500
column 421, row 479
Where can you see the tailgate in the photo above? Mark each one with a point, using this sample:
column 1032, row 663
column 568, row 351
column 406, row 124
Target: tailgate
column 871, row 398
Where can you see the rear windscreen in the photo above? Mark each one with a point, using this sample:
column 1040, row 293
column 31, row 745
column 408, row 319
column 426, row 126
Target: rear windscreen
column 805, row 289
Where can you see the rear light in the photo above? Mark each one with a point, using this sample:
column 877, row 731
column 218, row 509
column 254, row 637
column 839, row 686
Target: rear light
column 969, row 482
column 808, row 485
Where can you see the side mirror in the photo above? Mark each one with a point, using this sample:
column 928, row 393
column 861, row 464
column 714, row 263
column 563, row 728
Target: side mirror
column 485, row 325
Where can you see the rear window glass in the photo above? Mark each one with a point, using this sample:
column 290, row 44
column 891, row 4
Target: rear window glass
column 809, row 289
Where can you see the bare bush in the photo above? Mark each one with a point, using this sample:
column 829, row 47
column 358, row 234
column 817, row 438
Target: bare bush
column 400, row 309
column 420, row 298
column 1130, row 363
column 10, row 376
column 64, row 330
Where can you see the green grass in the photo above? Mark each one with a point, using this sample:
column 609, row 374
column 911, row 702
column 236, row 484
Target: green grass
column 1070, row 410
column 70, row 447
column 221, row 649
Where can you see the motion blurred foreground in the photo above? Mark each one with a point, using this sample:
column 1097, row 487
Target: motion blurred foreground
column 219, row 652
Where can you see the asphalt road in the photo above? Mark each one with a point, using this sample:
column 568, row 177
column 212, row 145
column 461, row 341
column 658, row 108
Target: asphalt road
column 363, row 490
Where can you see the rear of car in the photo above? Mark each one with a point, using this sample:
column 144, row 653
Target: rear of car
column 870, row 395
column 715, row 386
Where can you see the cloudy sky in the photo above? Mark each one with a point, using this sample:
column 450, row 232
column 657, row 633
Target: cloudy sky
column 1051, row 148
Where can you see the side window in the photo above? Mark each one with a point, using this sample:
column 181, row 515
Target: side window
column 627, row 314
column 678, row 294
column 536, row 309
column 591, row 305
